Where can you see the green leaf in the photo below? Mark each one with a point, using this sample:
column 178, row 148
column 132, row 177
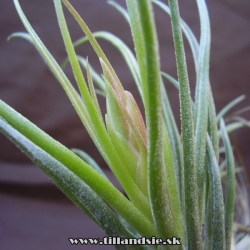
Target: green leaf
column 230, row 186
column 123, row 49
column 93, row 179
column 212, row 124
column 91, row 38
column 229, row 106
column 96, row 77
column 174, row 137
column 89, row 160
column 215, row 231
column 99, row 136
column 92, row 110
column 104, row 144
column 23, row 35
column 93, row 94
column 146, row 47
column 234, row 126
column 171, row 79
column 173, row 190
column 176, row 146
column 186, row 30
column 80, row 193
column 201, row 102
column 190, row 178
column 121, row 10
column 56, row 70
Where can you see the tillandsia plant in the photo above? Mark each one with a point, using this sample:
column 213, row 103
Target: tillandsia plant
column 172, row 180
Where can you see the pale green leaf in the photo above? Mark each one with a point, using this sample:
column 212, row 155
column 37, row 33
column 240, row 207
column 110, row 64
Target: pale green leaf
column 229, row 106
column 201, row 101
column 171, row 79
column 121, row 10
column 186, row 30
column 146, row 47
column 123, row 49
column 89, row 160
column 80, row 193
column 99, row 134
column 94, row 180
column 176, row 146
column 96, row 77
column 230, row 186
column 215, row 231
column 190, row 178
column 91, row 38
column 23, row 35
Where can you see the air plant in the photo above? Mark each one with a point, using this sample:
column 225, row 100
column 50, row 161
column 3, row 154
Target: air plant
column 172, row 180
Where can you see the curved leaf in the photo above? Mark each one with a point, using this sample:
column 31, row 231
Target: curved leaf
column 104, row 144
column 201, row 101
column 230, row 186
column 190, row 178
column 146, row 47
column 89, row 160
column 79, row 192
column 215, row 231
column 229, row 106
column 123, row 49
column 92, row 122
column 94, row 180
column 120, row 9
column 186, row 30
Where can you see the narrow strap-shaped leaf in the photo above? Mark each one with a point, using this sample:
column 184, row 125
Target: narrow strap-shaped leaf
column 73, row 60
column 93, row 110
column 229, row 106
column 230, row 186
column 82, row 60
column 171, row 79
column 120, row 9
column 108, row 150
column 215, row 231
column 56, row 70
column 137, row 35
column 100, row 137
column 191, row 196
column 89, row 160
column 243, row 110
column 94, row 180
column 23, row 35
column 186, row 30
column 91, row 38
column 234, row 126
column 174, row 136
column 201, row 102
column 93, row 93
column 80, row 193
column 96, row 77
column 146, row 46
column 176, row 146
column 174, row 187
column 123, row 49
column 212, row 126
